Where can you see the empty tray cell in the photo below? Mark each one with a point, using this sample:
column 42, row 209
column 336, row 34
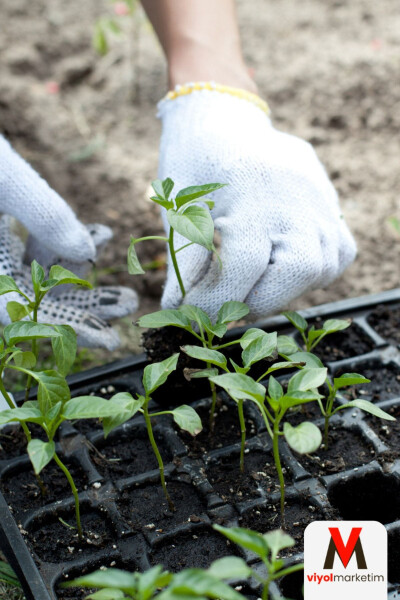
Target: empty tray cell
column 347, row 449
column 259, row 477
column 384, row 385
column 145, row 508
column 128, row 453
column 292, row 585
column 13, row 440
column 352, row 341
column 197, row 549
column 386, row 322
column 367, row 497
column 55, row 541
column 388, row 431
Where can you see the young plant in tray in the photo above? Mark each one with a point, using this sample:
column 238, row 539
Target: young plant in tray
column 115, row 584
column 184, row 216
column 311, row 336
column 198, row 323
column 273, row 406
column 267, row 547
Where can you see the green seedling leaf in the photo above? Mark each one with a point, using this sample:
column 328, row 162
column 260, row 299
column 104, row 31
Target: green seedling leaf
column 151, row 580
column 349, row 379
column 304, row 438
column 275, row 390
column 368, row 407
column 310, row 360
column 187, row 419
column 88, row 407
column 125, row 408
column 201, row 584
column 164, row 318
column 314, row 334
column 283, row 365
column 54, row 412
column 52, row 388
column 163, row 188
column 287, row 345
column 307, row 379
column 246, row 538
column 260, row 348
column 297, row 397
column 333, row 325
column 27, row 330
column 60, row 276
column 219, row 329
column 27, row 360
column 194, row 313
column 205, row 354
column 8, row 576
column 134, row 266
column 296, row 320
column 195, row 224
column 17, row 311
column 64, row 348
column 156, row 374
column 230, row 567
column 107, row 594
column 190, row 374
column 23, row 414
column 196, row 191
column 240, row 387
column 232, row 311
column 110, row 578
column 7, row 285
column 238, row 368
column 278, row 540
column 38, row 275
column 40, row 453
column 250, row 335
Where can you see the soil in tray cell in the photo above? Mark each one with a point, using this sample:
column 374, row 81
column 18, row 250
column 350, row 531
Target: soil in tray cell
column 304, row 412
column 292, row 585
column 346, row 450
column 226, row 430
column 386, row 322
column 394, row 556
column 147, row 508
column 129, row 453
column 22, row 492
column 344, row 344
column 388, row 431
column 197, row 549
column 233, row 486
column 56, row 542
column 384, row 385
column 368, row 497
column 13, row 440
column 297, row 516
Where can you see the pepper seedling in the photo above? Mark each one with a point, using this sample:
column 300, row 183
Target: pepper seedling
column 115, row 584
column 267, row 547
column 302, row 388
column 194, row 320
column 311, row 336
column 154, row 376
column 184, row 216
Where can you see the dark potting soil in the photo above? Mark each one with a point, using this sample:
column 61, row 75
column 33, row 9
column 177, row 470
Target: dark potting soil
column 386, row 322
column 233, row 486
column 128, row 454
column 292, row 585
column 304, row 412
column 13, row 440
column 22, row 492
column 146, row 508
column 358, row 498
column 55, row 542
column 346, row 450
column 298, row 514
column 388, row 431
column 344, row 344
column 384, row 385
column 198, row 549
column 226, row 429
column 394, row 556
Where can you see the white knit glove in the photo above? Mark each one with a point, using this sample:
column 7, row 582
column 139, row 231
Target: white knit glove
column 56, row 237
column 279, row 219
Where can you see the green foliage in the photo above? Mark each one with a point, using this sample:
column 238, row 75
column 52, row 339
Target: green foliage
column 311, row 336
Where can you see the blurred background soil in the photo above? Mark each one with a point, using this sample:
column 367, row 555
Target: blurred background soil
column 329, row 70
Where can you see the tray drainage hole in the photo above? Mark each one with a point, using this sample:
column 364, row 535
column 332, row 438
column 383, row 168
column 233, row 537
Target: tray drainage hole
column 358, row 498
column 292, row 585
column 394, row 557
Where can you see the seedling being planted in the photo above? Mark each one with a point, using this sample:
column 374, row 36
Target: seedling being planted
column 154, row 376
column 267, row 547
column 302, row 388
column 185, row 217
column 198, row 323
column 311, row 336
column 114, row 584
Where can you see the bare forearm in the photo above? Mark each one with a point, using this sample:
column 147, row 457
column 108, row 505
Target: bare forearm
column 201, row 41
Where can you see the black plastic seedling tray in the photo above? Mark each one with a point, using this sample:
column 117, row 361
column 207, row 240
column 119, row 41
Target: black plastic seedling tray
column 120, row 497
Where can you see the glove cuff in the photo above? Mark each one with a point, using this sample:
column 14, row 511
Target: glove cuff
column 211, row 86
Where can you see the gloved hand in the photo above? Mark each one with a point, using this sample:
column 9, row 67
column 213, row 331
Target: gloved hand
column 281, row 228
column 56, row 237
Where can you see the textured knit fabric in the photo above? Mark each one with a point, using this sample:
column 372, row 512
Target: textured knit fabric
column 279, row 220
